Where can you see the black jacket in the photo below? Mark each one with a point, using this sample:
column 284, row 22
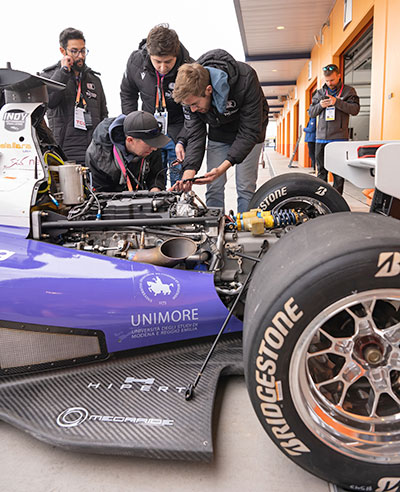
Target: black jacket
column 61, row 106
column 140, row 79
column 338, row 129
column 241, row 123
column 106, row 172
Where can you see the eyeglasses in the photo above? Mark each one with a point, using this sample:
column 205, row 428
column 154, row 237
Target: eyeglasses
column 74, row 52
column 331, row 68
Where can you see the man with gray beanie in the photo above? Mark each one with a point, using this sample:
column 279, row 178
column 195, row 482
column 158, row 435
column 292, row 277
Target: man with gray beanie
column 124, row 155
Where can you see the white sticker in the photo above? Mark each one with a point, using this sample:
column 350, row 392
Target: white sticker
column 79, row 119
column 162, row 117
column 330, row 113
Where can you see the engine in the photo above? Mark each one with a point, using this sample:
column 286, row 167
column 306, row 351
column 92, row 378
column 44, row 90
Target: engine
column 169, row 229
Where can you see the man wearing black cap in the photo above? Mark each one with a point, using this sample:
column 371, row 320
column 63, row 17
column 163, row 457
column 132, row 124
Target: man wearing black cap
column 123, row 154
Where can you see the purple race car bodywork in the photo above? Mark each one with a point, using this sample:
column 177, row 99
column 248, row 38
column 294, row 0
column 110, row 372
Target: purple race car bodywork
column 132, row 304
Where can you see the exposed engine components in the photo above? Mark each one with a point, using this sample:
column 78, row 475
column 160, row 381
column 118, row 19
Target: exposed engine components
column 186, row 206
column 70, row 181
column 257, row 220
column 168, row 229
column 169, row 253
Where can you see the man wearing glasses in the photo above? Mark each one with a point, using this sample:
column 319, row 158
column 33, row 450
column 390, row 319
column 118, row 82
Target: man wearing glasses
column 122, row 153
column 74, row 112
column 333, row 104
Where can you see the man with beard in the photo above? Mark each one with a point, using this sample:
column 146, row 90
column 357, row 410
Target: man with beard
column 74, row 112
column 222, row 99
column 333, row 104
column 150, row 72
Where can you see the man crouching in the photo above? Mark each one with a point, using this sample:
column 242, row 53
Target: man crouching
column 123, row 154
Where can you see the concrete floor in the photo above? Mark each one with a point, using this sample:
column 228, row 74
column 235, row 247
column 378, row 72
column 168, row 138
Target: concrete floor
column 245, row 458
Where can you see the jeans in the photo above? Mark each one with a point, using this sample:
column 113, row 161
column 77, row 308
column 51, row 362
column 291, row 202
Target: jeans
column 338, row 181
column 246, row 175
column 168, row 156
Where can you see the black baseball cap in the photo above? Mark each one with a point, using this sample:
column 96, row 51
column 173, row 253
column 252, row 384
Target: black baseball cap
column 143, row 125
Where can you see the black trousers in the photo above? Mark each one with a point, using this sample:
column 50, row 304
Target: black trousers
column 338, row 181
column 311, row 153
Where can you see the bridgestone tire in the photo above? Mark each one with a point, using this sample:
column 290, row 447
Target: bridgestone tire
column 321, row 347
column 298, row 190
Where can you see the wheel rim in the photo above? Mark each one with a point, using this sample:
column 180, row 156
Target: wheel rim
column 305, row 203
column 345, row 376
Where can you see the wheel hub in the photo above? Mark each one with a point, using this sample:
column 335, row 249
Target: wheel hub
column 373, row 355
column 370, row 350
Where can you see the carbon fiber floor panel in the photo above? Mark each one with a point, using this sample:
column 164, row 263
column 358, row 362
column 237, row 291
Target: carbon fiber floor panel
column 131, row 406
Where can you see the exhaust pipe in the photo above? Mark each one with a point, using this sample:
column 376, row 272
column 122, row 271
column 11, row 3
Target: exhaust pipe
column 168, row 254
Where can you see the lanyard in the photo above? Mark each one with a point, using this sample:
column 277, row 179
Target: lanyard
column 79, row 94
column 160, row 93
column 118, row 158
column 326, row 92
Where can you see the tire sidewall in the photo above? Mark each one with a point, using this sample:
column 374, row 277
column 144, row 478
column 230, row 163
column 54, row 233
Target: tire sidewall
column 330, row 282
column 279, row 189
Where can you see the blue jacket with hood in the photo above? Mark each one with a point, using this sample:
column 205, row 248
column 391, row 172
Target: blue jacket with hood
column 310, row 130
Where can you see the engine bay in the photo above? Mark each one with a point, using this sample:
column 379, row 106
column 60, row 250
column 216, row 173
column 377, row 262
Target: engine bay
column 171, row 229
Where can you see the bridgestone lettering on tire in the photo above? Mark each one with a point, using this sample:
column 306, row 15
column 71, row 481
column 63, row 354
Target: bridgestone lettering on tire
column 299, row 191
column 321, row 348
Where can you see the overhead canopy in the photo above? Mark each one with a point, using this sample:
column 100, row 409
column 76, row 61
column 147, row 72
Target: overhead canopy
column 278, row 55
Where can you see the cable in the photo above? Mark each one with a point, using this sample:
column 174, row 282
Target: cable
column 98, row 216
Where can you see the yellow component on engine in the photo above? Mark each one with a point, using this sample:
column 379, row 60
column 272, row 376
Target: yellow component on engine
column 269, row 220
column 257, row 220
column 254, row 221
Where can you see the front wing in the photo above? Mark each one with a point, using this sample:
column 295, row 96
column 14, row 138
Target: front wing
column 127, row 406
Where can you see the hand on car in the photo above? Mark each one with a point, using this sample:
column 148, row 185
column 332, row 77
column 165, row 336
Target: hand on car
column 184, row 186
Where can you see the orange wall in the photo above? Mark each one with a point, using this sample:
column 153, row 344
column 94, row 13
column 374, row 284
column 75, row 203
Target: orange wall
column 391, row 86
column 385, row 81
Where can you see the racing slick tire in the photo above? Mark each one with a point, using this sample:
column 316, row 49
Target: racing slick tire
column 298, row 191
column 321, row 348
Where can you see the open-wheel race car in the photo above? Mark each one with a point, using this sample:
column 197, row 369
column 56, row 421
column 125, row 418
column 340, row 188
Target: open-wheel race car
column 110, row 303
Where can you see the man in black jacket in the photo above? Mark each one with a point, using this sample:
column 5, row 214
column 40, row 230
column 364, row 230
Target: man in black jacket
column 74, row 112
column 226, row 95
column 151, row 73
column 333, row 104
column 123, row 154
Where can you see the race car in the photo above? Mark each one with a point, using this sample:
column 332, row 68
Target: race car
column 120, row 311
